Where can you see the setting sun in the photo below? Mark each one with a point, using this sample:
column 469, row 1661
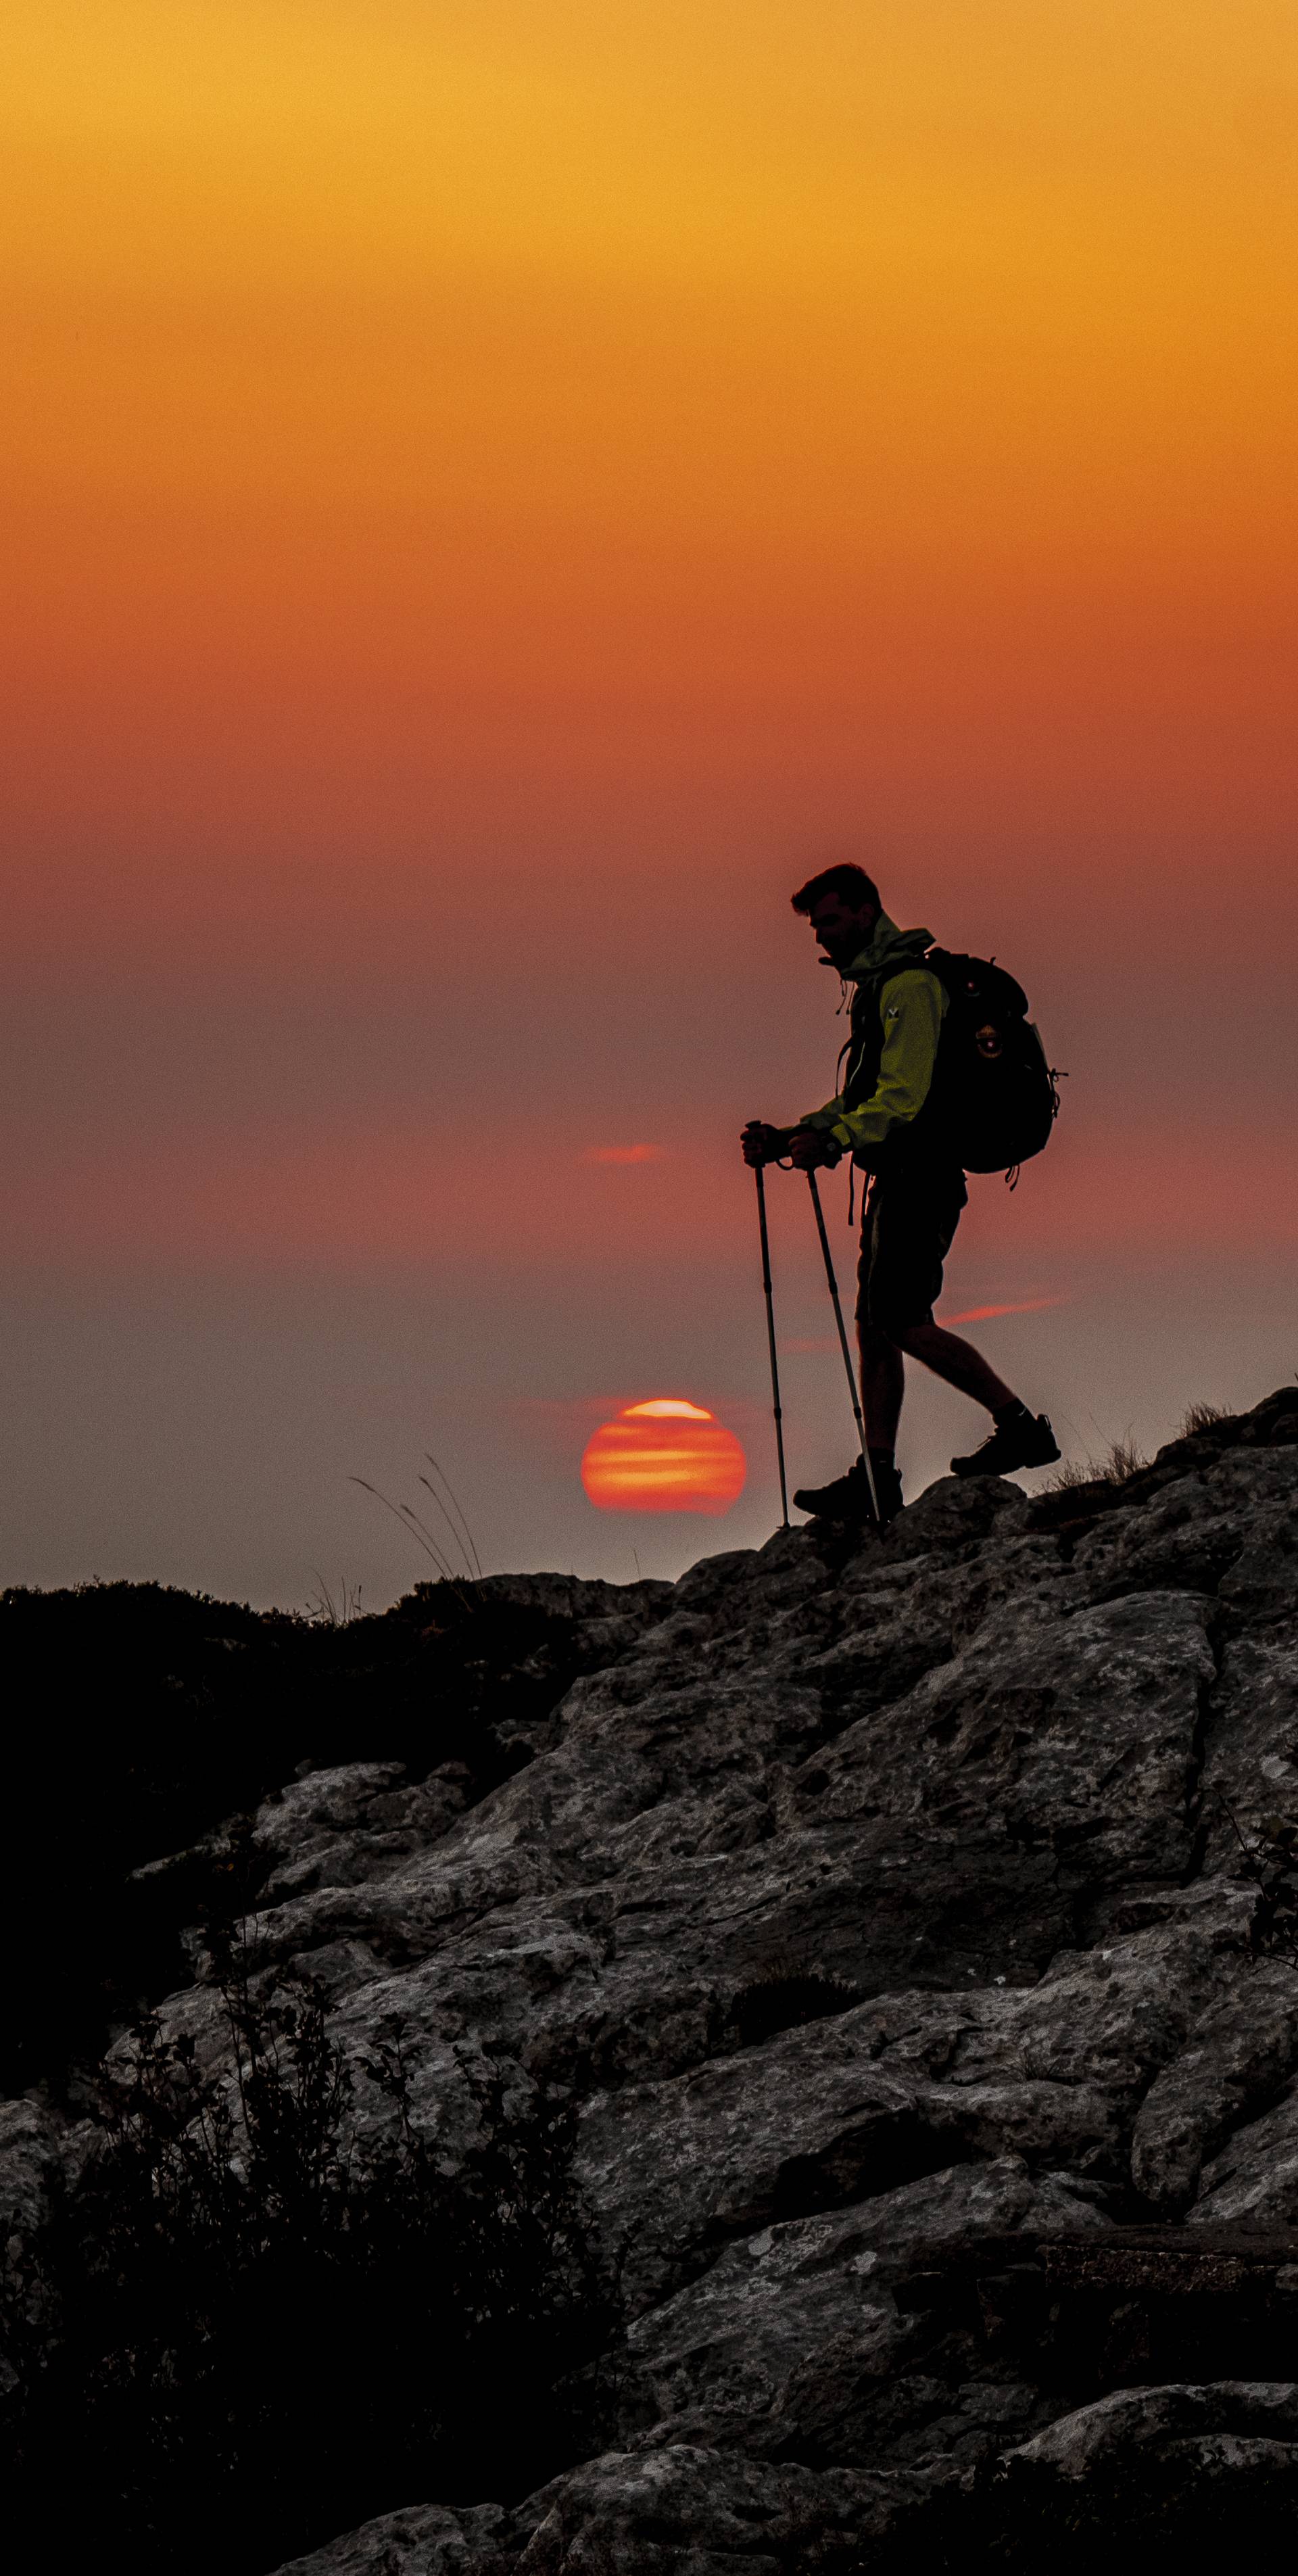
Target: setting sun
column 665, row 1455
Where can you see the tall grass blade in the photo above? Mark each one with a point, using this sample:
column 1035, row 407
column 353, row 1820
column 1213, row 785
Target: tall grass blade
column 432, row 1489
column 460, row 1514
column 402, row 1512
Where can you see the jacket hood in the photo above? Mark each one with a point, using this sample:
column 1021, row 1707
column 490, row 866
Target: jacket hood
column 888, row 946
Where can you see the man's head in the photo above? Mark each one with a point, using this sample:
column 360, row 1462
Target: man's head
column 842, row 906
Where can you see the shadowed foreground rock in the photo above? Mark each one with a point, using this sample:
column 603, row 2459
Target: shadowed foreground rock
column 1000, row 2248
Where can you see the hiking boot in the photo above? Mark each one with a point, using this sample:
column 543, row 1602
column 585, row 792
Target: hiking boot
column 848, row 1498
column 1022, row 1439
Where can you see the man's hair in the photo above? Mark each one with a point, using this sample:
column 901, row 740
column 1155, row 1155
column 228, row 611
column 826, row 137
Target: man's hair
column 848, row 882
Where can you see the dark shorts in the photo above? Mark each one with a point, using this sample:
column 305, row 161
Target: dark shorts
column 906, row 1233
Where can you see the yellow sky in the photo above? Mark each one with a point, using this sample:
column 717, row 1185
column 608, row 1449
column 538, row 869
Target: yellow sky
column 722, row 357
column 1025, row 237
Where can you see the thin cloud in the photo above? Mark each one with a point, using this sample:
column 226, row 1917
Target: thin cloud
column 1025, row 1306
column 969, row 1315
column 625, row 1154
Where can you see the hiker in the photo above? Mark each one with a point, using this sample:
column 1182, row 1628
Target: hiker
column 889, row 1118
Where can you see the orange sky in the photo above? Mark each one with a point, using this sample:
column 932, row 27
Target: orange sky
column 572, row 464
column 410, row 390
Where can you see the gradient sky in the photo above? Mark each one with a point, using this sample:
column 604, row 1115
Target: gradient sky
column 496, row 492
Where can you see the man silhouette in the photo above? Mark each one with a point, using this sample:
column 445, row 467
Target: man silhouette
column 885, row 1117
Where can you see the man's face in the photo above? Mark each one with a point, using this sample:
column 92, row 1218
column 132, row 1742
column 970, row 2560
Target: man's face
column 841, row 928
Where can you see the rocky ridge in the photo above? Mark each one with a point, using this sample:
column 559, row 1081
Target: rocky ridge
column 1004, row 2217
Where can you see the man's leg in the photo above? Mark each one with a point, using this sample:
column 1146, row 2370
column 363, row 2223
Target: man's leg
column 955, row 1361
column 883, row 1383
column 850, row 1497
column 1018, row 1438
column 914, row 1215
column 883, row 1372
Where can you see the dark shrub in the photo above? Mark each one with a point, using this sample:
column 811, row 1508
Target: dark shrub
column 253, row 2331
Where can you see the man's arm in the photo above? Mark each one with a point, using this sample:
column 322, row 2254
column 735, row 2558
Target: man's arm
column 911, row 1006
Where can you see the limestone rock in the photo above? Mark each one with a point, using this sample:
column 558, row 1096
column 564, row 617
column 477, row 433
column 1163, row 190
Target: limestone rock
column 1172, row 2469
column 424, row 2540
column 891, row 1911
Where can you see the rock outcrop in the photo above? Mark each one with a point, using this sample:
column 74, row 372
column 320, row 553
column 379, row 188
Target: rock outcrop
column 898, row 1913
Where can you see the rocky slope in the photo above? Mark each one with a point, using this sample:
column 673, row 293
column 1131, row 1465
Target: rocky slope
column 910, row 1921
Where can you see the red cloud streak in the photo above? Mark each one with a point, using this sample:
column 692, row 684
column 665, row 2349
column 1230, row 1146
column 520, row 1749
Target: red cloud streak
column 625, row 1154
column 1024, row 1306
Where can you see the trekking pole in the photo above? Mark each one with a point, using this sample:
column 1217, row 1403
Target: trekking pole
column 770, row 1335
column 843, row 1343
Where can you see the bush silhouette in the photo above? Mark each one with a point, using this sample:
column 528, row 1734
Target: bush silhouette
column 264, row 2329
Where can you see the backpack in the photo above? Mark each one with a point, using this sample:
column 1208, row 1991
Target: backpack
column 993, row 1092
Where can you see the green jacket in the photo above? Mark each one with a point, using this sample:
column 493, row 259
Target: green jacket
column 911, row 1004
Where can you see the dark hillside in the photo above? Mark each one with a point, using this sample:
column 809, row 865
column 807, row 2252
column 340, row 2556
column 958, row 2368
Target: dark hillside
column 145, row 1723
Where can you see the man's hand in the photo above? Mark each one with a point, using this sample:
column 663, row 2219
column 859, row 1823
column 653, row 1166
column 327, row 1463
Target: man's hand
column 813, row 1149
column 761, row 1144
